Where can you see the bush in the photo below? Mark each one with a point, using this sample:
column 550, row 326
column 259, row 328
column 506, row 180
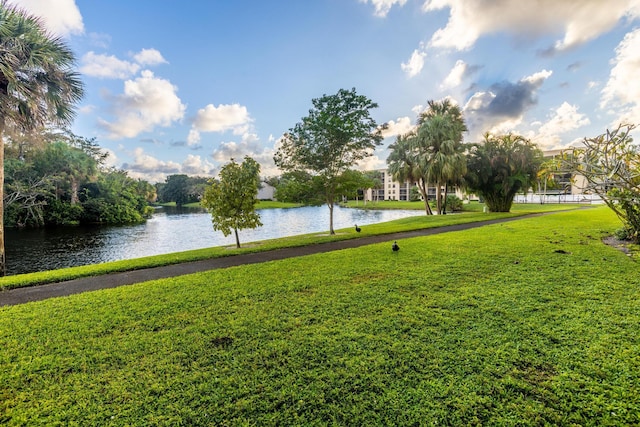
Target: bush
column 454, row 203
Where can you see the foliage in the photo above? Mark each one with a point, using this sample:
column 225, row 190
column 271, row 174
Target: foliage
column 352, row 183
column 433, row 153
column 299, row 187
column 439, row 143
column 490, row 331
column 232, row 200
column 454, row 203
column 62, row 182
column 610, row 164
column 37, row 82
column 338, row 132
column 181, row 189
column 500, row 167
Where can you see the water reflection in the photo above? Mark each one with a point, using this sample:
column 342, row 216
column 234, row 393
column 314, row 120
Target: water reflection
column 169, row 230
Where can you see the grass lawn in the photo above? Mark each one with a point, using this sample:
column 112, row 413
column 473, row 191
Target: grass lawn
column 533, row 322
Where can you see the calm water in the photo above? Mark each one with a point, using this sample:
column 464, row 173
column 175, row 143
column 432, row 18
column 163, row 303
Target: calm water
column 169, row 230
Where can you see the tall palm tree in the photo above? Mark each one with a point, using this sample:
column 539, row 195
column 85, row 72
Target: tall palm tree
column 439, row 137
column 37, row 82
column 404, row 165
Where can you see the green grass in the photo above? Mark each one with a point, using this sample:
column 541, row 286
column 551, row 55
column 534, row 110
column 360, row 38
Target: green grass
column 407, row 224
column 526, row 323
column 473, row 206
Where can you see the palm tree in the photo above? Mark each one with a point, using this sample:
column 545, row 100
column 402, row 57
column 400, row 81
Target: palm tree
column 439, row 136
column 37, row 82
column 404, row 165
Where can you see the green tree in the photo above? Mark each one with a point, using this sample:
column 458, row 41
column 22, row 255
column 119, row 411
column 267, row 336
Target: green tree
column 353, row 182
column 440, row 148
column 338, row 132
column 610, row 165
column 232, row 200
column 500, row 167
column 176, row 189
column 37, row 82
column 299, row 187
column 405, row 166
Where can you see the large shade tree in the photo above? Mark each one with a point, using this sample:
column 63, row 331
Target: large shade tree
column 38, row 83
column 500, row 167
column 338, row 132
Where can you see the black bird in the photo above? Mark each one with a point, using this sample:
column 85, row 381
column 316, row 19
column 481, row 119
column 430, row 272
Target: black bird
column 395, row 247
column 358, row 229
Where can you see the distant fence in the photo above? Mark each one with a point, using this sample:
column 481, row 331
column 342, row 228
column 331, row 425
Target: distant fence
column 558, row 198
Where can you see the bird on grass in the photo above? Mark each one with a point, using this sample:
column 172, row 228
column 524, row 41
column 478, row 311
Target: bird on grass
column 358, row 229
column 395, row 247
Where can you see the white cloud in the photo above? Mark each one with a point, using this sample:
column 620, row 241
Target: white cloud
column 149, row 57
column 415, row 63
column 382, row 7
column 60, row 16
column 194, row 165
column 222, row 118
column 193, row 138
column 622, row 90
column 399, row 127
column 455, row 75
column 371, row 163
column 107, row 66
column 578, row 20
column 147, row 102
column 110, row 67
column 249, row 145
column 565, row 118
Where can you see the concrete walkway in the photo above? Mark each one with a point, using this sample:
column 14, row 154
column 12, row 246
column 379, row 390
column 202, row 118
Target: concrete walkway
column 85, row 284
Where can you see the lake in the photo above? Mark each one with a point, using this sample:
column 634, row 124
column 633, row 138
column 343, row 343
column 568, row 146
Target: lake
column 169, row 230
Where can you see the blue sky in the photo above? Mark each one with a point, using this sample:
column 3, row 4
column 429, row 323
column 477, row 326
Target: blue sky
column 182, row 87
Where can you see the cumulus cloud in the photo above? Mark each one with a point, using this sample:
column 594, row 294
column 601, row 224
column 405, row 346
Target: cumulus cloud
column 414, row 65
column 233, row 117
column 371, row 163
column 577, row 21
column 382, row 7
column 195, row 165
column 110, row 67
column 59, row 16
column 565, row 118
column 503, row 106
column 147, row 102
column 398, row 127
column 107, row 66
column 149, row 57
column 622, row 91
column 458, row 73
column 249, row 145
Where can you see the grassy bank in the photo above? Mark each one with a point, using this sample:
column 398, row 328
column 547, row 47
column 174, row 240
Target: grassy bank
column 407, row 224
column 532, row 322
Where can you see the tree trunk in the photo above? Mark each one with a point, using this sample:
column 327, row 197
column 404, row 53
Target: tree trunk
column 235, row 230
column 3, row 267
column 422, row 186
column 331, row 231
column 74, row 191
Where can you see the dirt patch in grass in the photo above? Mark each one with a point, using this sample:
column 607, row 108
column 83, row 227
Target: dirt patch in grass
column 625, row 246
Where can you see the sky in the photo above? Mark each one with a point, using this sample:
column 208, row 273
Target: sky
column 182, row 87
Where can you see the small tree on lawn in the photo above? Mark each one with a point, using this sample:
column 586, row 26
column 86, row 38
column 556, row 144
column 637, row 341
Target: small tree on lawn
column 232, row 199
column 610, row 165
column 500, row 167
column 338, row 132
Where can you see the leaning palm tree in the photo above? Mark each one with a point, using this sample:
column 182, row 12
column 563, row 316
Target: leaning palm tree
column 405, row 166
column 439, row 137
column 37, row 82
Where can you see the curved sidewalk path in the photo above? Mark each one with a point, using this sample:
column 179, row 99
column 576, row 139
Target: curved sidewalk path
column 112, row 280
